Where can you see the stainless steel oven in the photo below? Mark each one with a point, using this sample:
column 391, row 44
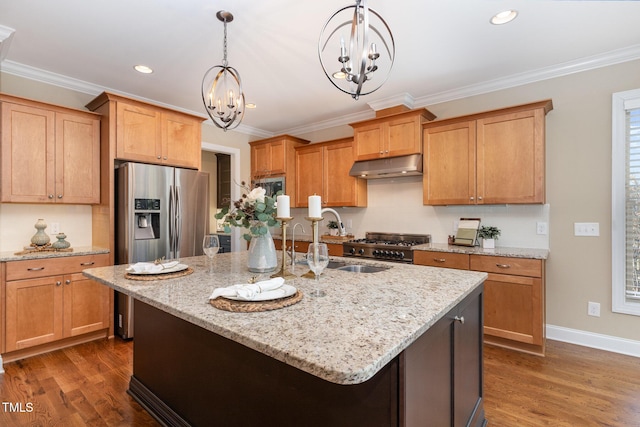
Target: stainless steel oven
column 271, row 185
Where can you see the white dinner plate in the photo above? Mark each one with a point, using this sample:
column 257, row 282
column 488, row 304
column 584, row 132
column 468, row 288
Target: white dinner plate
column 174, row 269
column 282, row 292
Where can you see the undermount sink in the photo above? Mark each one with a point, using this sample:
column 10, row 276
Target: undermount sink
column 356, row 268
column 332, row 264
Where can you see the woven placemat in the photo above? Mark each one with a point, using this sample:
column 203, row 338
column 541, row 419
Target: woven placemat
column 161, row 276
column 255, row 306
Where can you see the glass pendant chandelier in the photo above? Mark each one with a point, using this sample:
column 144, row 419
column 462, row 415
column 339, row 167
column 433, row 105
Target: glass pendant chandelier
column 363, row 44
column 222, row 88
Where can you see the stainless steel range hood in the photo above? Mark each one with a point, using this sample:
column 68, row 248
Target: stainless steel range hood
column 388, row 168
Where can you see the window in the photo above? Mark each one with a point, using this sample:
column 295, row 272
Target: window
column 625, row 202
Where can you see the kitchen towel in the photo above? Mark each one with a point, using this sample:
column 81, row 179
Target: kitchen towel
column 151, row 267
column 248, row 291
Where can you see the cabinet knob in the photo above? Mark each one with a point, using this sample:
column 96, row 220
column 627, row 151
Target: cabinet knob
column 471, row 198
column 459, row 319
column 59, row 196
column 68, row 281
column 381, row 152
column 58, row 283
column 51, row 196
column 386, row 151
column 159, row 157
column 165, row 158
column 479, row 197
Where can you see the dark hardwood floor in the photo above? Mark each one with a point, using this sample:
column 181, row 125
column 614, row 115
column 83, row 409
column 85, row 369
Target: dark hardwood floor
column 573, row 386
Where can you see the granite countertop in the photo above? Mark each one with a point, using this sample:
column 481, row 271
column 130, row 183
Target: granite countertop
column 345, row 337
column 478, row 250
column 80, row 250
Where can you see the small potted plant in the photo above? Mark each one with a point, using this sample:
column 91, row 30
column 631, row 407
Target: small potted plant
column 489, row 236
column 333, row 228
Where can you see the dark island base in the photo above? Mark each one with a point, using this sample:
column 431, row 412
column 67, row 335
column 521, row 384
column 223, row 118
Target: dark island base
column 186, row 375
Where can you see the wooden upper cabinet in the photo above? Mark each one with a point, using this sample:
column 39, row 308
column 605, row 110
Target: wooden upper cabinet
column 390, row 136
column 50, row 154
column 138, row 133
column 323, row 169
column 489, row 158
column 150, row 134
column 274, row 156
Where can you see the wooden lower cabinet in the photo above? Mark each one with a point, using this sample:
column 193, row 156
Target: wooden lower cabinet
column 514, row 296
column 335, row 249
column 42, row 309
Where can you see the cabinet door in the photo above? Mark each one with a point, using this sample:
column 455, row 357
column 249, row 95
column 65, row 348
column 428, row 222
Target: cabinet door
column 260, row 160
column 28, row 154
column 449, row 176
column 86, row 305
column 77, row 159
column 467, row 362
column 510, row 155
column 309, row 180
column 340, row 189
column 404, row 137
column 514, row 308
column 33, row 312
column 181, row 145
column 138, row 133
column 278, row 157
column 368, row 141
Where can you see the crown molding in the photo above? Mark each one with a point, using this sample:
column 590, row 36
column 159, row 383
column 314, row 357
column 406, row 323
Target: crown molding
column 613, row 57
column 393, row 101
column 6, row 35
column 618, row 56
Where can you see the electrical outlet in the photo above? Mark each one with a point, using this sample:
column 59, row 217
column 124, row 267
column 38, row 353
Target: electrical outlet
column 586, row 228
column 593, row 309
column 542, row 228
column 55, row 227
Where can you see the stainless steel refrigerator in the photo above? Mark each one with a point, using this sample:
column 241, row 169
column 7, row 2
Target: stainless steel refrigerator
column 161, row 211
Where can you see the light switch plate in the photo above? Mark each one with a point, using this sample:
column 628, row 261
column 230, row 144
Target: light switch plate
column 586, row 228
column 55, row 227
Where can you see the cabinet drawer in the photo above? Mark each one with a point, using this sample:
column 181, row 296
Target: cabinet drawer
column 441, row 259
column 507, row 265
column 32, row 268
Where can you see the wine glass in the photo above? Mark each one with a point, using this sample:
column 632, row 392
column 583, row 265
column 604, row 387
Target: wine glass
column 317, row 259
column 210, row 246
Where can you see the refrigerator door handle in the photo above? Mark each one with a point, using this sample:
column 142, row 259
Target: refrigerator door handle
column 178, row 223
column 172, row 209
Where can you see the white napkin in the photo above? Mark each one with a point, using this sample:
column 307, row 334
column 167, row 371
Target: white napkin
column 151, row 267
column 248, row 291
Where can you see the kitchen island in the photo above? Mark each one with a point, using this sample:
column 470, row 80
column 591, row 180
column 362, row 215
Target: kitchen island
column 397, row 347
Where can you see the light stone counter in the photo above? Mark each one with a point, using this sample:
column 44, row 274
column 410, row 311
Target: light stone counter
column 345, row 337
column 478, row 250
column 81, row 250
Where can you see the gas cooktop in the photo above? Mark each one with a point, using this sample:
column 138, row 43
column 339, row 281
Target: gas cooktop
column 386, row 246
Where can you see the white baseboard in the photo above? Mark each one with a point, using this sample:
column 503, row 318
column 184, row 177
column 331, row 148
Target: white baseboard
column 593, row 340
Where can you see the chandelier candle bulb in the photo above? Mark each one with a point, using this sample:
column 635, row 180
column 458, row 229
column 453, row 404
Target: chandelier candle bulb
column 283, row 209
column 315, row 206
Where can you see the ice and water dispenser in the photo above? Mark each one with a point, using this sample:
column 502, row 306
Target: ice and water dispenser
column 147, row 219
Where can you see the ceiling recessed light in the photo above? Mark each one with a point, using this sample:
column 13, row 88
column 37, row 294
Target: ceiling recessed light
column 143, row 69
column 504, row 17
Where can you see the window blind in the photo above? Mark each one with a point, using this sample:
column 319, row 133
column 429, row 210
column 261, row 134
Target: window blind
column 632, row 202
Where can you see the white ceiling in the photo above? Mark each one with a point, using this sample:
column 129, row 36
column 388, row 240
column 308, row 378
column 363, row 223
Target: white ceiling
column 445, row 49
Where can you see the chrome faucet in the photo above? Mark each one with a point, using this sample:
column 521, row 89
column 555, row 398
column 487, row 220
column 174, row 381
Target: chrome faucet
column 343, row 231
column 293, row 242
